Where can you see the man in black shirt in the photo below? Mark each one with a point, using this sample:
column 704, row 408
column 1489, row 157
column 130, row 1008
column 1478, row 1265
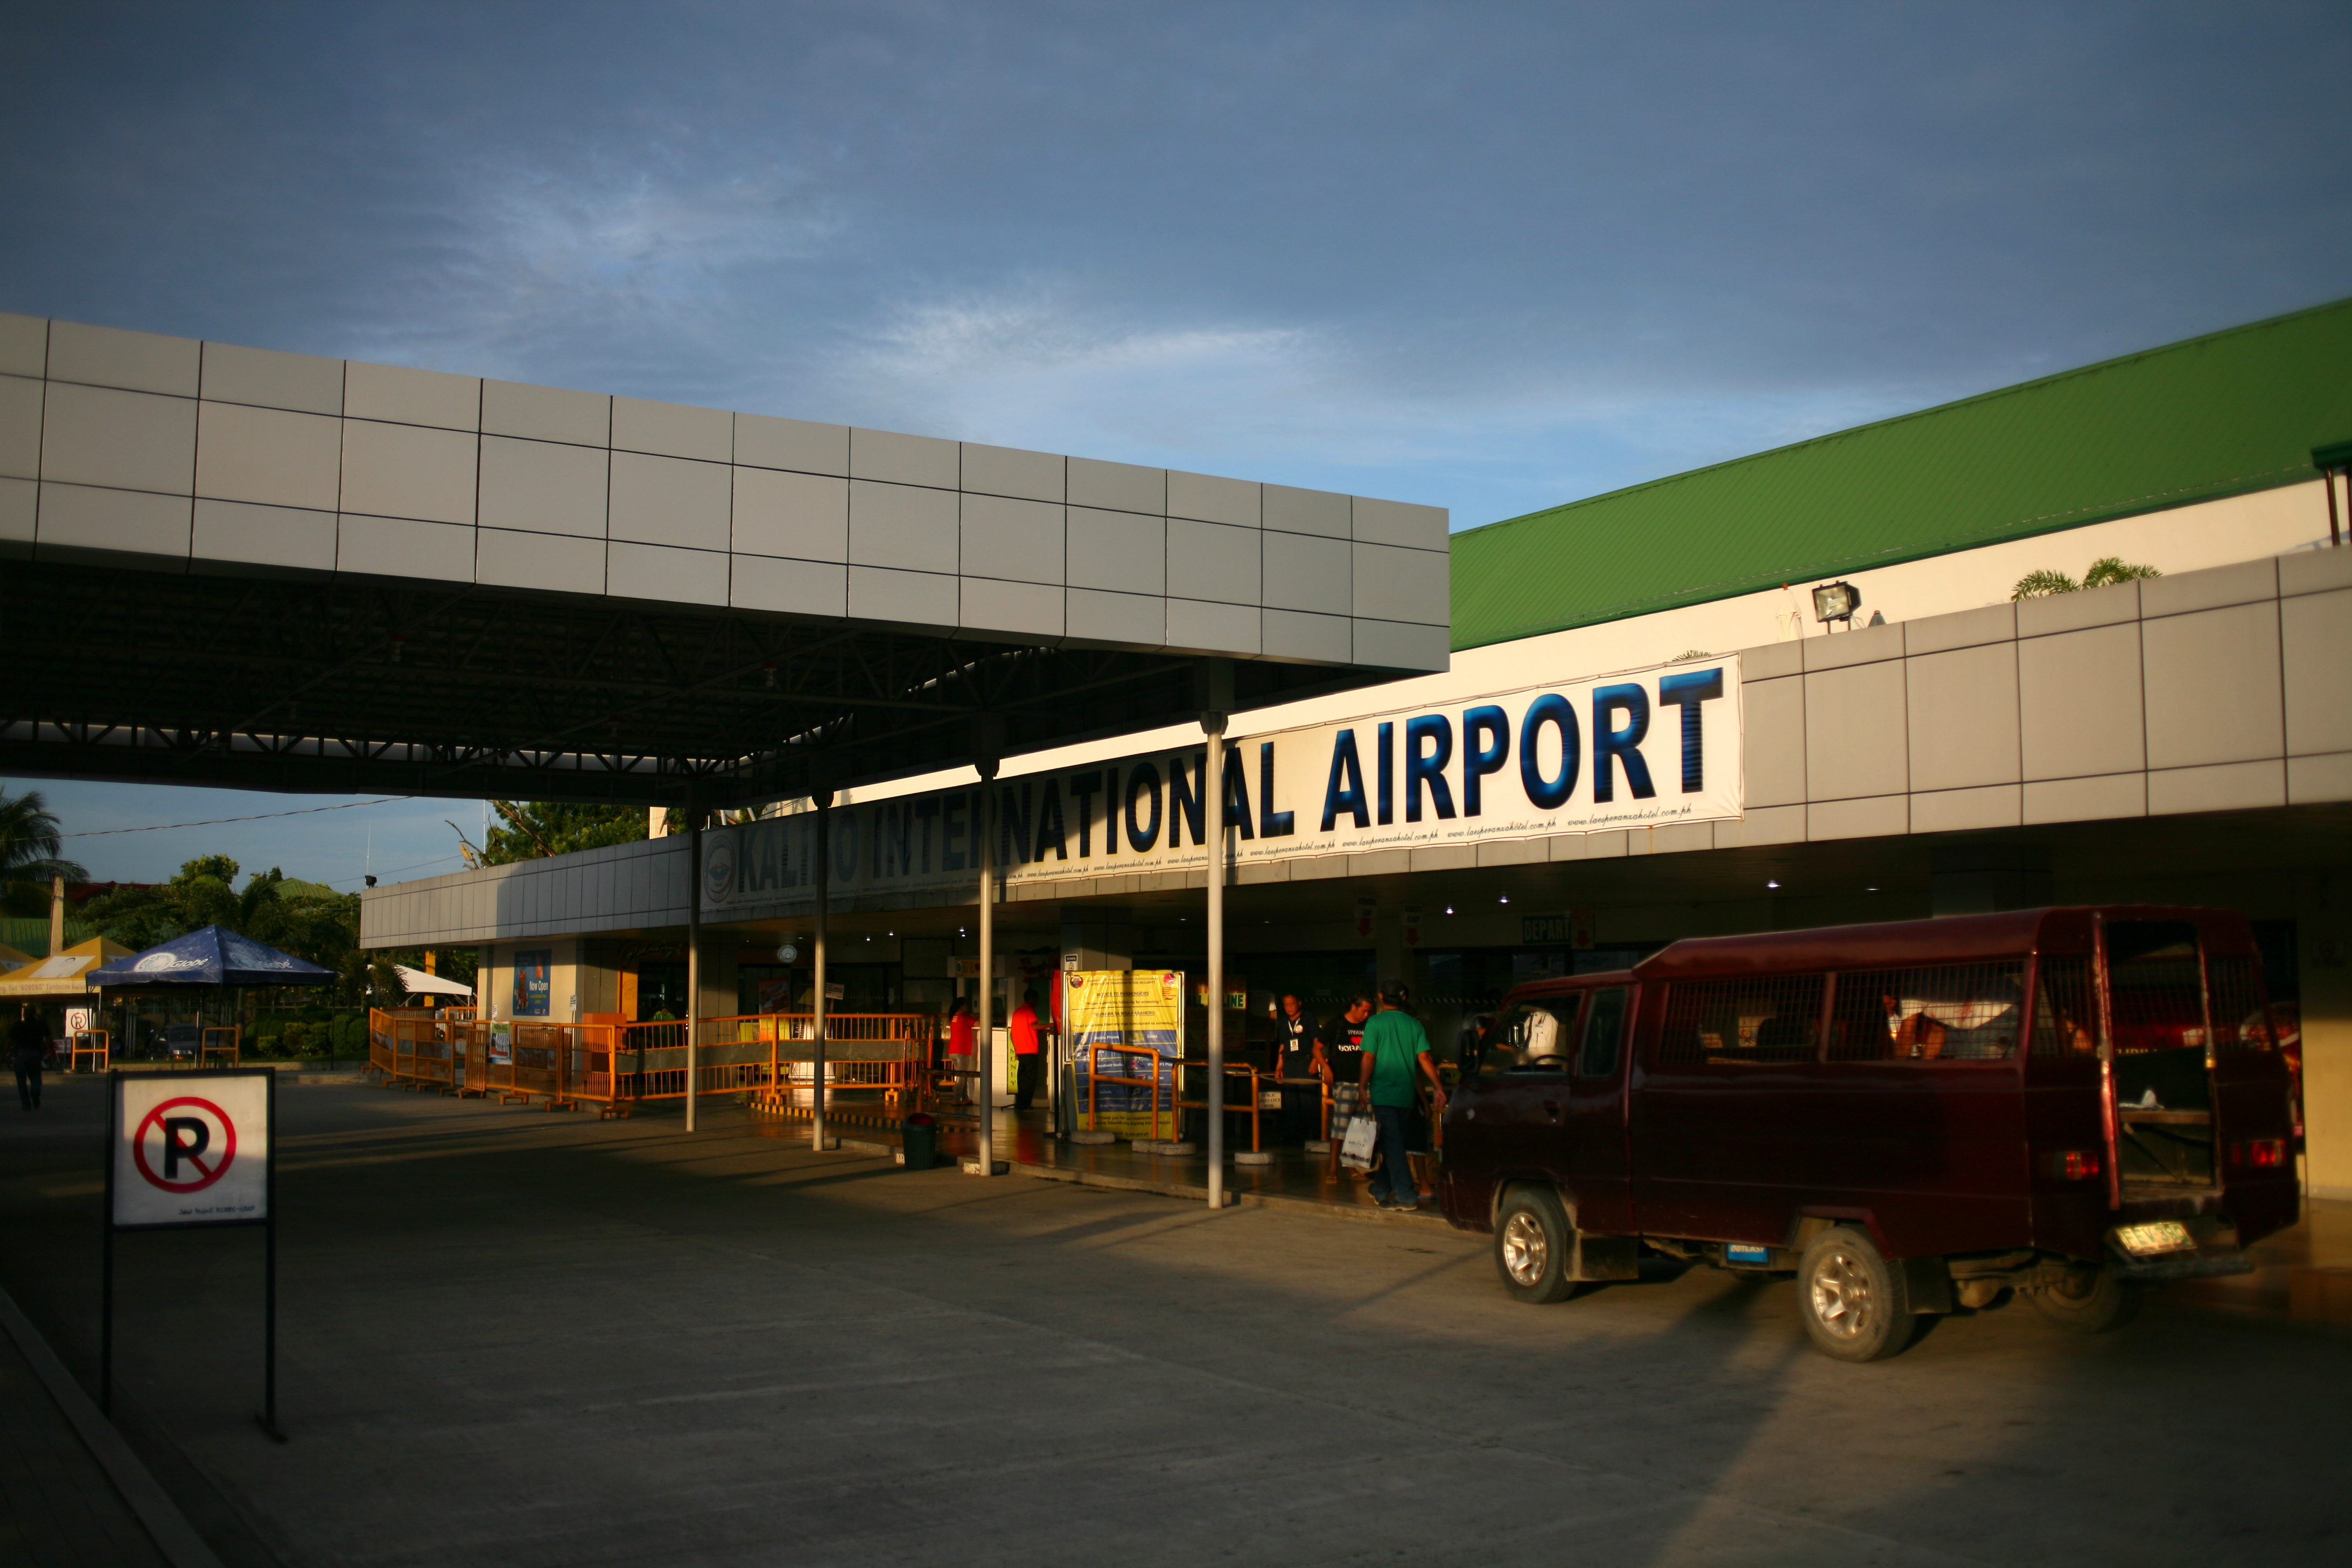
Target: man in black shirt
column 1342, row 1055
column 29, row 1045
column 1294, row 1064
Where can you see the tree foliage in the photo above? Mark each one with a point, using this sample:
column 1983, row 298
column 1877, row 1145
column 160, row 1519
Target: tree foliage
column 301, row 918
column 2107, row 569
column 31, row 853
column 534, row 829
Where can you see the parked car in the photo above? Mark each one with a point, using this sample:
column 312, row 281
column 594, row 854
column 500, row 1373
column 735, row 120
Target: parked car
column 1913, row 1118
column 180, row 1042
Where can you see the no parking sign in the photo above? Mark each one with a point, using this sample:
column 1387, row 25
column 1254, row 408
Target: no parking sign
column 191, row 1149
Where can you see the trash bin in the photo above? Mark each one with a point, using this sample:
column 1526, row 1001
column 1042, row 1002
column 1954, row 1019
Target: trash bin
column 920, row 1136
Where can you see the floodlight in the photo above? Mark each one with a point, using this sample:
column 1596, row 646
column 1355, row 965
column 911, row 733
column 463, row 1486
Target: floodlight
column 1836, row 602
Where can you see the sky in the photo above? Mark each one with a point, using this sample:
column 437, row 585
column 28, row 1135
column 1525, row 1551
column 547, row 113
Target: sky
column 1488, row 258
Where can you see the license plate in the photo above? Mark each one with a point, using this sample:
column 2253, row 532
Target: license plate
column 2163, row 1235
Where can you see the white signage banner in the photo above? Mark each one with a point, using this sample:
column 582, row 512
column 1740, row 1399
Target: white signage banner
column 1641, row 749
column 191, row 1148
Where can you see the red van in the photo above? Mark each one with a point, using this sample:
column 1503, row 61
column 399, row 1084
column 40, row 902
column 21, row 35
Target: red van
column 1919, row 1117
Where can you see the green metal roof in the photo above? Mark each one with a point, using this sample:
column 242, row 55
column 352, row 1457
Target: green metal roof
column 2223, row 415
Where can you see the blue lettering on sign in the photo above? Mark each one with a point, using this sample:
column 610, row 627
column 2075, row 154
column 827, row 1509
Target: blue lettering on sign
column 1387, row 761
column 1687, row 690
column 1485, row 746
column 1144, row 781
column 1271, row 824
column 1622, row 746
column 1430, row 766
column 1551, row 795
column 1345, row 789
column 1237, row 806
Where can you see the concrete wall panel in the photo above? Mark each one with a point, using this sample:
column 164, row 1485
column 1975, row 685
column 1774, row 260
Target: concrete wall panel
column 305, row 383
column 766, row 442
column 639, row 571
column 792, row 588
column 671, row 501
column 263, row 535
column 134, row 361
column 801, row 515
column 403, row 470
column 1209, row 560
column 399, row 395
column 1016, row 540
column 124, row 440
column 903, row 528
column 1962, row 708
column 2080, row 707
column 543, row 486
column 673, row 430
column 400, row 547
column 20, row 427
column 78, row 517
column 269, row 455
column 2213, row 692
column 1854, row 733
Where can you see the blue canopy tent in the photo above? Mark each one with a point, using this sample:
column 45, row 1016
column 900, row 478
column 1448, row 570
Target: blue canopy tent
column 213, row 957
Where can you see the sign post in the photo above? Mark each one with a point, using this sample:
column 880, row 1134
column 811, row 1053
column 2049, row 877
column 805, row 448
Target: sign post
column 189, row 1149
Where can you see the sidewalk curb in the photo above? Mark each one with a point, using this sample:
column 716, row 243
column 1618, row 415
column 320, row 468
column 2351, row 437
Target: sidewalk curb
column 156, row 1513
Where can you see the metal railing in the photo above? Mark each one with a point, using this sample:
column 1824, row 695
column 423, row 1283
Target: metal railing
column 79, row 1051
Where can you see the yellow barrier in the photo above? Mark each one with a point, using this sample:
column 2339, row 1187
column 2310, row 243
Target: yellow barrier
column 99, row 1056
column 218, row 1040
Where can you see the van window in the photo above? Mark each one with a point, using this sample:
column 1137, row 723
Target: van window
column 2065, row 1011
column 2155, row 994
column 1756, row 1018
column 1951, row 1012
column 1604, row 1032
column 2239, row 1023
column 1540, row 1035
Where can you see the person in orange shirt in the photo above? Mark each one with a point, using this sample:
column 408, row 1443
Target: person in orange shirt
column 1027, row 1060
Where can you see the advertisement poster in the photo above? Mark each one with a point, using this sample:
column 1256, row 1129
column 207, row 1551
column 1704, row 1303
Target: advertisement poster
column 1113, row 1009
column 1640, row 749
column 503, row 1043
column 534, row 982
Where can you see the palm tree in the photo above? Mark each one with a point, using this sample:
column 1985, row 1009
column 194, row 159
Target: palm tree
column 29, row 857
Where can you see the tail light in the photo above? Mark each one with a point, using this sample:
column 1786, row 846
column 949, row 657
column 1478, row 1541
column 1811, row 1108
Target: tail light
column 2073, row 1165
column 2259, row 1154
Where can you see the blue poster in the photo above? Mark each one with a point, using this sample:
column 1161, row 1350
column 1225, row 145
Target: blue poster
column 534, row 982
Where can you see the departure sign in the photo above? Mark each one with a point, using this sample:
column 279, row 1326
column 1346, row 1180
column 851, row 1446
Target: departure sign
column 190, row 1149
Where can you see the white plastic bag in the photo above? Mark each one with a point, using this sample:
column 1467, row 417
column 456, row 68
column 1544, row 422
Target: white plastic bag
column 1356, row 1150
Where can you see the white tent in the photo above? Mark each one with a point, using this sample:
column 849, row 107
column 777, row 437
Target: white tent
column 416, row 983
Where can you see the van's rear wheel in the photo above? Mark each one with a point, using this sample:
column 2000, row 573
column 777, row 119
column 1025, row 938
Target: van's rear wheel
column 2088, row 1302
column 1856, row 1305
column 1533, row 1242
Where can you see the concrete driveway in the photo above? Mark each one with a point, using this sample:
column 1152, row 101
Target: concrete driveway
column 516, row 1338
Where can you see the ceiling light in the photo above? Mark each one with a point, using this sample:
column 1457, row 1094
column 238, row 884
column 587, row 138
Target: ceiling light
column 1504, row 900
column 1449, row 909
column 1770, row 884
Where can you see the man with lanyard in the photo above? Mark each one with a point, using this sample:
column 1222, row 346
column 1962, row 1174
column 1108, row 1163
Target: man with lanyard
column 1294, row 1065
column 1023, row 1027
column 1396, row 1057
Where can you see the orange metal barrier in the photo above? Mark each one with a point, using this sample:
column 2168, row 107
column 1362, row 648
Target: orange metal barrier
column 218, row 1040
column 410, row 1049
column 1232, row 1072
column 1095, row 1075
column 78, row 1051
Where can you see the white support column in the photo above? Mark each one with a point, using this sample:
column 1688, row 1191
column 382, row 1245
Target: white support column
column 987, row 1062
column 817, row 1025
column 693, row 952
column 1213, row 786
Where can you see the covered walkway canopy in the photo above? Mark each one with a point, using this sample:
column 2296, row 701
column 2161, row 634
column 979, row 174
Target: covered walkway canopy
column 276, row 571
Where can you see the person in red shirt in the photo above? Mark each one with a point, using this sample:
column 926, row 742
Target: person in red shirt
column 1026, row 1057
column 963, row 1047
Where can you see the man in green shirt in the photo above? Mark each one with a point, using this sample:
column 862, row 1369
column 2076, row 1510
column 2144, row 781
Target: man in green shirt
column 1396, row 1054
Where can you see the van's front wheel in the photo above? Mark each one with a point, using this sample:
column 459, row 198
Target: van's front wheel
column 2088, row 1302
column 1856, row 1306
column 1533, row 1241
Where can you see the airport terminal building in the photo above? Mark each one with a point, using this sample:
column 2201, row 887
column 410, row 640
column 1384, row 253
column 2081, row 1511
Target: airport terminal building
column 1532, row 748
column 1642, row 729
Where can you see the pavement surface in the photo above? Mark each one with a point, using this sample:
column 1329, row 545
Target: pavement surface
column 520, row 1338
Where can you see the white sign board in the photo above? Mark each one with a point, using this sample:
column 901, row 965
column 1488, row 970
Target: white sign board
column 1645, row 748
column 190, row 1149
